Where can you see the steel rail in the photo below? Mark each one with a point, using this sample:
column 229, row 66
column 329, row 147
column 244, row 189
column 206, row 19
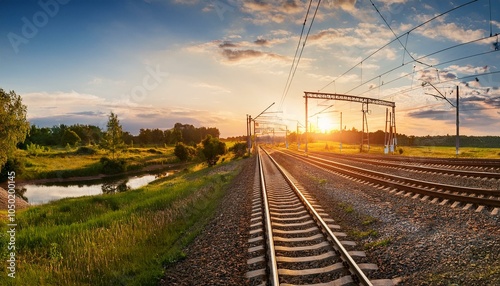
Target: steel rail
column 272, row 265
column 411, row 185
column 416, row 168
column 457, row 162
column 354, row 269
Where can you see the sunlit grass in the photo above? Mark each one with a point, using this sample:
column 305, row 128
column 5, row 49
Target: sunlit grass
column 61, row 162
column 411, row 151
column 119, row 239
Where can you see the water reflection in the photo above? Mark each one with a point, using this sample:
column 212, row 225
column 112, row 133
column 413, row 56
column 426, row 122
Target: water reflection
column 40, row 194
column 118, row 187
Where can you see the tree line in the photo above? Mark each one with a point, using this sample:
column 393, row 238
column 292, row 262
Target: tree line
column 353, row 136
column 81, row 134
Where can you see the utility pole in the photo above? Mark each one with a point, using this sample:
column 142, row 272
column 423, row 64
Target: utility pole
column 340, row 132
column 457, row 143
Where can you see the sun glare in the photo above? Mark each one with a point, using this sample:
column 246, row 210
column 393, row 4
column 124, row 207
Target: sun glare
column 326, row 124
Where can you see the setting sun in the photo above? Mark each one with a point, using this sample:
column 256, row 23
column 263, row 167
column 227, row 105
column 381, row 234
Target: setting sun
column 326, row 124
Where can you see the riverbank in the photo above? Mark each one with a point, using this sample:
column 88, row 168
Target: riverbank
column 146, row 169
column 20, row 203
column 118, row 239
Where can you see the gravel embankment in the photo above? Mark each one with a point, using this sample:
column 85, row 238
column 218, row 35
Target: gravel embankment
column 218, row 255
column 420, row 242
column 425, row 243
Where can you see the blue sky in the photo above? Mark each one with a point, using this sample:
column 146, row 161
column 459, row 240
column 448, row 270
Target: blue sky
column 211, row 62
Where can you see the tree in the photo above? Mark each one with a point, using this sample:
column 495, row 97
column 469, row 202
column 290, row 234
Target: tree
column 212, row 149
column 70, row 137
column 184, row 152
column 13, row 124
column 113, row 138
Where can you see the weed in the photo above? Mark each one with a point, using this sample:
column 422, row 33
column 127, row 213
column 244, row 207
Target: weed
column 364, row 234
column 346, row 207
column 369, row 220
column 377, row 243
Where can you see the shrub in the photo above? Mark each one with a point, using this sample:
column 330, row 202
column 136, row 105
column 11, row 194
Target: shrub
column 184, row 152
column 212, row 149
column 400, row 151
column 239, row 149
column 15, row 165
column 34, row 149
column 113, row 166
column 85, row 151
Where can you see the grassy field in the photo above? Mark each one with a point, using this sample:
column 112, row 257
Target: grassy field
column 63, row 163
column 422, row 151
column 120, row 239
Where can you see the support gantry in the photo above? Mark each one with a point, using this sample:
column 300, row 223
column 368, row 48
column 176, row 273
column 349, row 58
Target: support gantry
column 365, row 101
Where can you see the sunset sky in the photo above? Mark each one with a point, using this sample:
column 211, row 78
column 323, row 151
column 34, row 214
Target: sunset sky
column 211, row 62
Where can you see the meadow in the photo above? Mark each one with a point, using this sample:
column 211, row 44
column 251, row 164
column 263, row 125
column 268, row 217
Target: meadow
column 410, row 151
column 118, row 239
column 62, row 163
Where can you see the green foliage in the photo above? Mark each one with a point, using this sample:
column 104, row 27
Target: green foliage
column 113, row 138
column 213, row 148
column 85, row 151
column 239, row 149
column 184, row 152
column 377, row 243
column 13, row 124
column 12, row 164
column 120, row 239
column 113, row 166
column 70, row 137
column 34, row 149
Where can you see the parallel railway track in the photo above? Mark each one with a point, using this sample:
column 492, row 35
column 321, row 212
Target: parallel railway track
column 293, row 242
column 420, row 166
column 438, row 193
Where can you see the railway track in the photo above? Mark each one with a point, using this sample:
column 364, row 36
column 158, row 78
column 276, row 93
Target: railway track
column 421, row 166
column 457, row 196
column 486, row 165
column 293, row 241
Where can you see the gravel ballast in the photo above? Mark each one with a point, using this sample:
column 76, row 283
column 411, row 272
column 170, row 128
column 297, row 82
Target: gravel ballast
column 218, row 255
column 419, row 242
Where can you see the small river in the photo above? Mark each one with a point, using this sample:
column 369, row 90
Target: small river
column 44, row 193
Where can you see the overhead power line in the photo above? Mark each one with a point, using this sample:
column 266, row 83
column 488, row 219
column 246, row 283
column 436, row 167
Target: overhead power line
column 289, row 82
column 418, row 60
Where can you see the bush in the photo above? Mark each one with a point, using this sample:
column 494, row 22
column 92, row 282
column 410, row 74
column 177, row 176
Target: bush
column 85, row 151
column 34, row 149
column 401, row 151
column 113, row 166
column 239, row 149
column 184, row 152
column 15, row 165
column 212, row 149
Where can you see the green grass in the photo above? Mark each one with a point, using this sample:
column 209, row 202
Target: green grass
column 377, row 243
column 413, row 151
column 119, row 239
column 348, row 208
column 63, row 163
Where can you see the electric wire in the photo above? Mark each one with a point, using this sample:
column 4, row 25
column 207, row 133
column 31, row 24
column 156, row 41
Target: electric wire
column 418, row 61
column 295, row 56
column 300, row 55
column 392, row 31
column 397, row 39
